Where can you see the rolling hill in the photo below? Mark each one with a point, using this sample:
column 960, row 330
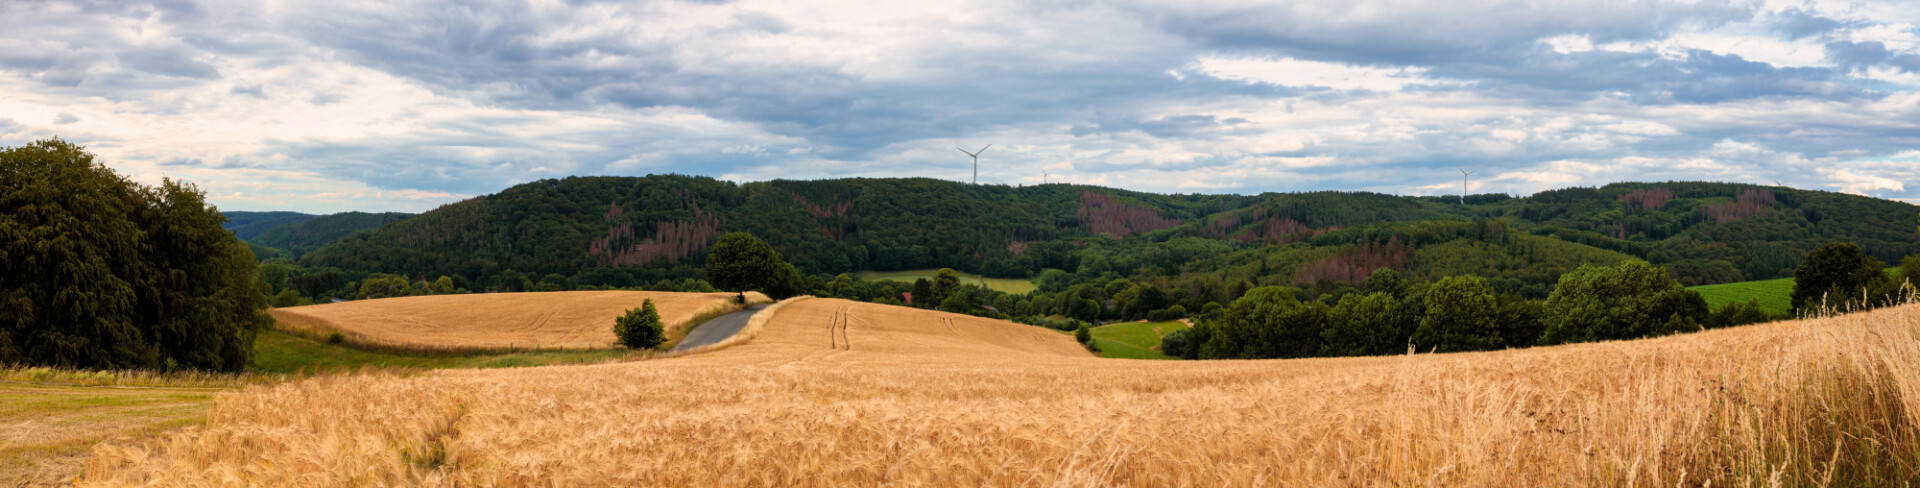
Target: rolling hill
column 306, row 235
column 246, row 225
column 619, row 231
column 496, row 321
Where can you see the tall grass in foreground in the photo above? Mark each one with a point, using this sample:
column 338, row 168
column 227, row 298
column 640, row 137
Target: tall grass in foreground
column 921, row 401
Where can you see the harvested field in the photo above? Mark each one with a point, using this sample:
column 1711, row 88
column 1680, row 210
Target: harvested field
column 836, row 393
column 572, row 319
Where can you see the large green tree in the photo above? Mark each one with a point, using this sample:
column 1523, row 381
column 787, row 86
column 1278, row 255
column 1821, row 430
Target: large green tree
column 1629, row 301
column 1836, row 274
column 99, row 272
column 743, row 262
column 1462, row 315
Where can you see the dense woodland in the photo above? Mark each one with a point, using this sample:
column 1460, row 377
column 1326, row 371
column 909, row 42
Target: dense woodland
column 623, row 232
column 1272, row 275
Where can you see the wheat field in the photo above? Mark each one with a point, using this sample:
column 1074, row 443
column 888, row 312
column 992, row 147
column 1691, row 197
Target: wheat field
column 571, row 319
column 837, row 393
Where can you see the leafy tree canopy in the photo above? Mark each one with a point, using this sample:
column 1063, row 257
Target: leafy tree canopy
column 742, row 262
column 1835, row 274
column 99, row 272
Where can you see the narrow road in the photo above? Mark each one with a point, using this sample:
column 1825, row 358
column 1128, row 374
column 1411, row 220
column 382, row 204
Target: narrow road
column 718, row 329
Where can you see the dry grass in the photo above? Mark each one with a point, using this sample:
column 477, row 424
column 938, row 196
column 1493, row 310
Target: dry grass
column 492, row 321
column 835, row 393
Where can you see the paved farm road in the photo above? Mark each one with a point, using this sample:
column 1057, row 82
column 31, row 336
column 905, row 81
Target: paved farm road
column 718, row 329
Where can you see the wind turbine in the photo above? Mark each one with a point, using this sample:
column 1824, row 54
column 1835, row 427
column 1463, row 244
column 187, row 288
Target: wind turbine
column 976, row 161
column 1463, row 184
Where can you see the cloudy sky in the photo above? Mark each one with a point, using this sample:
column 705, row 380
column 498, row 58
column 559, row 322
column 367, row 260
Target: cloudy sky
column 401, row 105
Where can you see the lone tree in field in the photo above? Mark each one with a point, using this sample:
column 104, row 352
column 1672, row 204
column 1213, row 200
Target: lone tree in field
column 743, row 262
column 640, row 328
column 1836, row 274
column 97, row 271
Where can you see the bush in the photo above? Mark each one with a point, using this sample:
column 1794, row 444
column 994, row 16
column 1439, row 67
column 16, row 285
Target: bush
column 1083, row 334
column 1177, row 343
column 640, row 328
column 1737, row 313
column 1168, row 314
column 336, row 338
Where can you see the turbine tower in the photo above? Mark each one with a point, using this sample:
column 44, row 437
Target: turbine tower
column 976, row 161
column 1463, row 184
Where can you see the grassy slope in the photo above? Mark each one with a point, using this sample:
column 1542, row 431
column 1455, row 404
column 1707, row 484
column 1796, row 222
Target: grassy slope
column 1775, row 296
column 1772, row 294
column 1133, row 340
column 280, row 352
column 1009, row 285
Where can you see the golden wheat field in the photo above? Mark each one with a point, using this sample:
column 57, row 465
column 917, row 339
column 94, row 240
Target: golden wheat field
column 572, row 319
column 837, row 393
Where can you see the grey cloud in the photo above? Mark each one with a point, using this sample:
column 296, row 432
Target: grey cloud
column 1871, row 53
column 1164, row 127
column 762, row 22
column 1864, row 53
column 255, row 90
column 1800, row 24
column 171, row 61
column 1403, row 33
column 65, row 118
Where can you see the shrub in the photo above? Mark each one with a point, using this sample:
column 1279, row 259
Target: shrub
column 640, row 328
column 336, row 338
column 1168, row 314
column 1177, row 343
column 1083, row 334
column 1737, row 313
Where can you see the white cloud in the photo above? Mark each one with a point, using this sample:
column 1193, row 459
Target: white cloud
column 1292, row 72
column 1849, row 181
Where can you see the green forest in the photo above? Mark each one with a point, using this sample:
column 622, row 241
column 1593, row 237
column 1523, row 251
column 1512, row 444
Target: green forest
column 586, row 232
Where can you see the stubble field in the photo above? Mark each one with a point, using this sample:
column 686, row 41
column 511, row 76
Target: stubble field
column 836, row 393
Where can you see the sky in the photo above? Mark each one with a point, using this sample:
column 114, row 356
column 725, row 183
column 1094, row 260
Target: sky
column 398, row 105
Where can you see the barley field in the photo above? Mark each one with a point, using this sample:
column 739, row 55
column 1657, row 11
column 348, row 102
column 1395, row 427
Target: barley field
column 837, row 393
column 572, row 319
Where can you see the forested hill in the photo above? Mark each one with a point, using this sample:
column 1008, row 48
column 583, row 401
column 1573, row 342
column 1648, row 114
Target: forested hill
column 301, row 237
column 246, row 225
column 599, row 231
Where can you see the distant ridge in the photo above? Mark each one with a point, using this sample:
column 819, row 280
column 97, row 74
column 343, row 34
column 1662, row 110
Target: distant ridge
column 621, row 231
